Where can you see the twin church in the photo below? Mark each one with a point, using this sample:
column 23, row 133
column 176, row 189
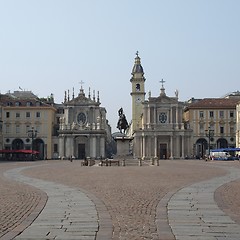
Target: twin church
column 156, row 128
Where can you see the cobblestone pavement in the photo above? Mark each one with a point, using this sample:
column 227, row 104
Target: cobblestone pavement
column 134, row 196
column 18, row 203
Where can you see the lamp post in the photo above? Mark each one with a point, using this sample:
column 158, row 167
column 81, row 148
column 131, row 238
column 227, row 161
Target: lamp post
column 209, row 133
column 32, row 134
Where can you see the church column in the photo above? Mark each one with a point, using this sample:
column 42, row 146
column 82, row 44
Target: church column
column 90, row 147
column 171, row 146
column 68, row 147
column 138, row 147
column 143, row 147
column 176, row 143
column 145, row 117
column 93, row 146
column 148, row 147
column 177, row 122
column 155, row 115
column 98, row 146
column 149, row 117
column 183, row 147
column 61, row 147
column 72, row 147
column 155, row 147
column 102, row 147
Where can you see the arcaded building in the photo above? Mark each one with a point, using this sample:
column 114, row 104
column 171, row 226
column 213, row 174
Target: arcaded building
column 213, row 121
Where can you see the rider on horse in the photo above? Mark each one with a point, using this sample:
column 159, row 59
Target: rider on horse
column 122, row 121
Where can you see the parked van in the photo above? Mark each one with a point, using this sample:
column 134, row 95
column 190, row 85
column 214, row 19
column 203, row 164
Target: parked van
column 220, row 156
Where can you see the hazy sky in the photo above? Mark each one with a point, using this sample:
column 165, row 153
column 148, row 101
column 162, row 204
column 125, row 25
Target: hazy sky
column 49, row 46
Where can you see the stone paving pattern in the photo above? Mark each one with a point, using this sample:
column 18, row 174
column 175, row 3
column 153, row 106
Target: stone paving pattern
column 193, row 213
column 131, row 195
column 17, row 203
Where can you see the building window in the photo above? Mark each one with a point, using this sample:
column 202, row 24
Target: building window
column 201, row 129
column 232, row 132
column 17, row 115
column 27, row 128
column 211, row 114
column 38, row 129
column 201, row 114
column 28, row 114
column 55, row 147
column 38, row 114
column 17, row 128
column 221, row 114
column 231, row 114
column 7, row 114
column 17, row 103
column 29, row 104
column 221, row 130
column 7, row 128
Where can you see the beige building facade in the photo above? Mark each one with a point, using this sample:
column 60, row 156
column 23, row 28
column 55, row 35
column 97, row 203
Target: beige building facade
column 213, row 121
column 77, row 128
column 22, row 114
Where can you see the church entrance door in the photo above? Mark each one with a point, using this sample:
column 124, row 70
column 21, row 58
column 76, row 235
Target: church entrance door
column 81, row 151
column 163, row 151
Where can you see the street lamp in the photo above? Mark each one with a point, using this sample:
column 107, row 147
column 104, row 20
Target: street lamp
column 32, row 134
column 209, row 133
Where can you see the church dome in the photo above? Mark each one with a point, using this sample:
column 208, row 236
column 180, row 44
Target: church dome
column 137, row 68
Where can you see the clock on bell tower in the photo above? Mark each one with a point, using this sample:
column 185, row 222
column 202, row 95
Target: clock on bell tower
column 137, row 93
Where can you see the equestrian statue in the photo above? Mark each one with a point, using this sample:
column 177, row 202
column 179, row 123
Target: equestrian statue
column 122, row 121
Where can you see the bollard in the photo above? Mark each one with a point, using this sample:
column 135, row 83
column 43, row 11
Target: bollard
column 140, row 162
column 123, row 162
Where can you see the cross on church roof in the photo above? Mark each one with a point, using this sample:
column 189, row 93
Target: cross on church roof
column 81, row 83
column 162, row 81
column 137, row 53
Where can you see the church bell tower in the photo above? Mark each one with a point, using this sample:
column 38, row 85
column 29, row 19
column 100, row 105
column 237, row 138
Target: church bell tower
column 138, row 93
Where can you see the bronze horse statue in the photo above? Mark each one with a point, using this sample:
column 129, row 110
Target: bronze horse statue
column 122, row 121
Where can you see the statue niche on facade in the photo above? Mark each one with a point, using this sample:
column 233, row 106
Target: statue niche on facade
column 122, row 124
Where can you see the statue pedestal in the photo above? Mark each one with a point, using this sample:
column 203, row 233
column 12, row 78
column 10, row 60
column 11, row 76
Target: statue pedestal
column 123, row 145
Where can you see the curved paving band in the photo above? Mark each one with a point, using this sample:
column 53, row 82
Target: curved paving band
column 70, row 214
column 193, row 213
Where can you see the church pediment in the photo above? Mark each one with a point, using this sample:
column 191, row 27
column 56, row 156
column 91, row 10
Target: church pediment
column 80, row 100
column 163, row 99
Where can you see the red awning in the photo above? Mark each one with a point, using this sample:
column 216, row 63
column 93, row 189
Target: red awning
column 25, row 151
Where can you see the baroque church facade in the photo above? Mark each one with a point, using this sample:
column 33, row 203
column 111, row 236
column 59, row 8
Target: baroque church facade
column 84, row 131
column 157, row 125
